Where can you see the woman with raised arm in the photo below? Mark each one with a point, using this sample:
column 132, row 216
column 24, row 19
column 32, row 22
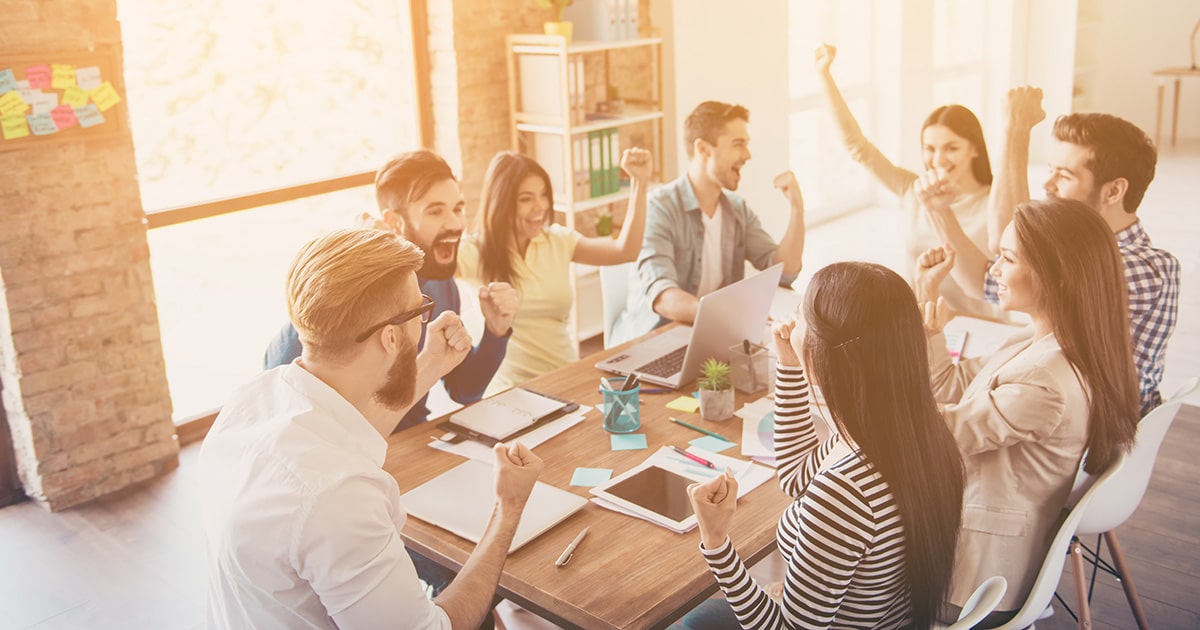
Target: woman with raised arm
column 1061, row 387
column 869, row 539
column 955, row 159
column 516, row 241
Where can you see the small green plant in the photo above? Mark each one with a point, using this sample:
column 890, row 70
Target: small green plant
column 714, row 375
column 557, row 5
column 604, row 223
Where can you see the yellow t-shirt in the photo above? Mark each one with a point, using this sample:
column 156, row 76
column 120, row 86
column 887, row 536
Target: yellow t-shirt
column 540, row 341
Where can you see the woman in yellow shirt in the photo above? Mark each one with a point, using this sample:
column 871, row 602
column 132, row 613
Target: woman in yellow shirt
column 516, row 241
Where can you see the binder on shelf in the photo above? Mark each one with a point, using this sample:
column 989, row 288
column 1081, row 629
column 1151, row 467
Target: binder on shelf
column 614, row 160
column 580, row 162
column 595, row 19
column 596, row 163
column 548, row 151
column 631, row 7
column 577, row 70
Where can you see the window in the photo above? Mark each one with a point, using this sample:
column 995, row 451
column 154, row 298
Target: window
column 831, row 181
column 232, row 97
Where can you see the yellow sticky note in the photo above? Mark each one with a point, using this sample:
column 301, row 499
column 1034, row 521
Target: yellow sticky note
column 75, row 97
column 62, row 76
column 11, row 104
column 105, row 96
column 686, row 404
column 14, row 127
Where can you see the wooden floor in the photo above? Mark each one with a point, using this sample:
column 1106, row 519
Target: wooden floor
column 137, row 561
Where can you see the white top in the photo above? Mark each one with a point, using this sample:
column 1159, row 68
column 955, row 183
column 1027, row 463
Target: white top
column 711, row 274
column 301, row 523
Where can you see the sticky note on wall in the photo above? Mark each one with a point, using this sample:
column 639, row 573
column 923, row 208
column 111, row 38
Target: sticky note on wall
column 64, row 117
column 62, row 76
column 42, row 125
column 75, row 97
column 87, row 78
column 8, row 81
column 14, row 127
column 105, row 96
column 89, row 116
column 39, row 77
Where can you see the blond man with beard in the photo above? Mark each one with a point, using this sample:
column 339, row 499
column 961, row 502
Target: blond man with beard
column 301, row 522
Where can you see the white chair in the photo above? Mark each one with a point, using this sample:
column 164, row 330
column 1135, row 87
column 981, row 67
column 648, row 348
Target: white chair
column 1047, row 579
column 981, row 603
column 1121, row 498
column 614, row 290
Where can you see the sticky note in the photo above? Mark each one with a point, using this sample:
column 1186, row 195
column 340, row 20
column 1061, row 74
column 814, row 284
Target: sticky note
column 8, row 80
column 75, row 97
column 38, row 76
column 43, row 102
column 629, row 442
column 105, row 96
column 89, row 116
column 15, row 127
column 62, row 76
column 590, row 477
column 64, row 117
column 686, row 404
column 87, row 78
column 11, row 104
column 42, row 125
column 711, row 444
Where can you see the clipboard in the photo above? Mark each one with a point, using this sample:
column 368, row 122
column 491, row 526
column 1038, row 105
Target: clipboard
column 513, row 413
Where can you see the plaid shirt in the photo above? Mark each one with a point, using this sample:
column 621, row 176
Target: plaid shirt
column 1153, row 276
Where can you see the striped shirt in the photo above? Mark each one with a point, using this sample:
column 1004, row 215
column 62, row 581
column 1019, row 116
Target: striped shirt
column 842, row 537
column 1153, row 277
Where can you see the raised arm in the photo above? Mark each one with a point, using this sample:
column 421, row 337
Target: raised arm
column 970, row 264
column 798, row 453
column 790, row 250
column 892, row 177
column 601, row 250
column 1010, row 187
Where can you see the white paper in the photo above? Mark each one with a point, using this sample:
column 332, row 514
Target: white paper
column 87, row 78
column 478, row 450
column 43, row 103
column 754, row 442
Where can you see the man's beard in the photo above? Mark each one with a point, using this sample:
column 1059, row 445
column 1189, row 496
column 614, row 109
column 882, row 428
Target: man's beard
column 431, row 269
column 401, row 384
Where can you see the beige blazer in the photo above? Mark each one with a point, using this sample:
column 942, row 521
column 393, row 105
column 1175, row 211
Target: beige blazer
column 1020, row 418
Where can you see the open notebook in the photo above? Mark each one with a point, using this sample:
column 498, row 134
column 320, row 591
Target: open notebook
column 460, row 501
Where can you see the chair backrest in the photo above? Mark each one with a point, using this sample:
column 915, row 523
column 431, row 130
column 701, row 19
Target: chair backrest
column 981, row 603
column 1123, row 495
column 1048, row 576
column 614, row 289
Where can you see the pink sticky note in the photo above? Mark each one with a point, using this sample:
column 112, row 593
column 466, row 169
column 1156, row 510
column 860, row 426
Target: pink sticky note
column 64, row 117
column 38, row 76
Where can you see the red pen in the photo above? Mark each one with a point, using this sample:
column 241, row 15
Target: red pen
column 695, row 458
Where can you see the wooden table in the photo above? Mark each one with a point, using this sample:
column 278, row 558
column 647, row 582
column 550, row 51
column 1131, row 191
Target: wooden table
column 627, row 573
column 1163, row 74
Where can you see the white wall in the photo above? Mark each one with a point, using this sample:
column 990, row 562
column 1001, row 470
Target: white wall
column 737, row 53
column 1138, row 38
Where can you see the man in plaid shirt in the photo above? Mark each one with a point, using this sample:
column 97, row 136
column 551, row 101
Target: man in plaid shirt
column 1101, row 160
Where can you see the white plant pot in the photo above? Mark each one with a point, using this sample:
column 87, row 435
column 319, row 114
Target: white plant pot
column 715, row 405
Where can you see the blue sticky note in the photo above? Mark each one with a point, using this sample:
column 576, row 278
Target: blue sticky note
column 89, row 116
column 42, row 125
column 590, row 477
column 629, row 442
column 8, row 81
column 711, row 444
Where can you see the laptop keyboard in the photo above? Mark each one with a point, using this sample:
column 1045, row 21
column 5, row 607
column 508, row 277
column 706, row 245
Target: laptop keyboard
column 666, row 365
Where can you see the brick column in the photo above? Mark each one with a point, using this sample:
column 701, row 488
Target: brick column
column 85, row 385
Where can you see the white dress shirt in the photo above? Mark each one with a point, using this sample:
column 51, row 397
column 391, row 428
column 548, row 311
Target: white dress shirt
column 301, row 523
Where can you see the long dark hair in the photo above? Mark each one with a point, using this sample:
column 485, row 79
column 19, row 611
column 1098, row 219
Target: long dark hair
column 865, row 348
column 496, row 228
column 963, row 122
column 1083, row 292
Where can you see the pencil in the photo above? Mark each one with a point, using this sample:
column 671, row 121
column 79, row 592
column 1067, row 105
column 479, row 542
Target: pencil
column 704, row 431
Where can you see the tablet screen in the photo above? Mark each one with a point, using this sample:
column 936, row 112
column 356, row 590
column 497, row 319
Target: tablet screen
column 658, row 490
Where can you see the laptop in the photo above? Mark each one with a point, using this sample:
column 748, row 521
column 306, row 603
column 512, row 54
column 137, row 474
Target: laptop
column 725, row 317
column 461, row 501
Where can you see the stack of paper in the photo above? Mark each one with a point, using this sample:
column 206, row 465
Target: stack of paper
column 758, row 430
column 478, row 450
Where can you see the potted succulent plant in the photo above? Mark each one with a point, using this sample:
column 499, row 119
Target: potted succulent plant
column 716, row 392
column 558, row 26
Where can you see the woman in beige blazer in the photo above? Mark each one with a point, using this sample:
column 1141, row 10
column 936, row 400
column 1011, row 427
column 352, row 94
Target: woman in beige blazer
column 1064, row 385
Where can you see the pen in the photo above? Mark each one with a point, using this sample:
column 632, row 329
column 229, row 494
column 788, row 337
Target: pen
column 570, row 550
column 704, row 431
column 645, row 390
column 694, row 458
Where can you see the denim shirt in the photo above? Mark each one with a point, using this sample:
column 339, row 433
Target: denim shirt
column 671, row 249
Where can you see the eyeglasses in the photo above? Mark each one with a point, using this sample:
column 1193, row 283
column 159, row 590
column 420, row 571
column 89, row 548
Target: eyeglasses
column 423, row 311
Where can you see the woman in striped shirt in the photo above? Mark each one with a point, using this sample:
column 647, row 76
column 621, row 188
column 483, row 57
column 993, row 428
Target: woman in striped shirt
column 869, row 540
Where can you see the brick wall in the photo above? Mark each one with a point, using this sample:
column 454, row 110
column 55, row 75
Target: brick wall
column 85, row 385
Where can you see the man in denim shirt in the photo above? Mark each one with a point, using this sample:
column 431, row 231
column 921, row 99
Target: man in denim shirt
column 698, row 237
